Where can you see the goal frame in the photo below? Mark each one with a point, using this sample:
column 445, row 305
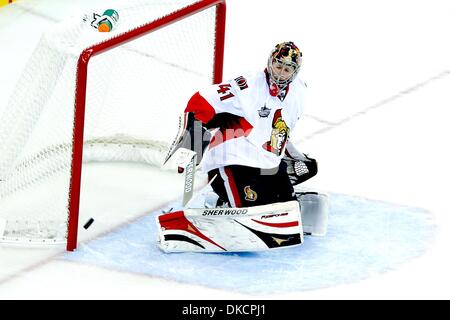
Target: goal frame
column 81, row 87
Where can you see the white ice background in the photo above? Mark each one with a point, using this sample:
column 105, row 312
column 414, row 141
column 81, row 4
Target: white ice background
column 376, row 119
column 365, row 237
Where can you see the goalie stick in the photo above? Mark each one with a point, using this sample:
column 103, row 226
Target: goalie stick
column 192, row 197
column 189, row 178
column 176, row 141
column 187, row 150
column 184, row 159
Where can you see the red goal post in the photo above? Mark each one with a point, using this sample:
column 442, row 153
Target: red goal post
column 80, row 98
column 68, row 103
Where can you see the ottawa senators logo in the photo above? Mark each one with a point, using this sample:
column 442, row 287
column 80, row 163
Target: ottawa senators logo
column 250, row 195
column 279, row 136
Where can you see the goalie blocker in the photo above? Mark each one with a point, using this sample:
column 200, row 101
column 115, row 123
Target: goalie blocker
column 255, row 228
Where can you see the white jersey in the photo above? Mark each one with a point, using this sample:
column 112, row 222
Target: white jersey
column 259, row 137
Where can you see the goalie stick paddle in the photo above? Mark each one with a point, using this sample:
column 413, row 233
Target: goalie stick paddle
column 186, row 205
column 189, row 180
column 185, row 161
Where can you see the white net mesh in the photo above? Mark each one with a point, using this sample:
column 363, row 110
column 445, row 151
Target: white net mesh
column 135, row 93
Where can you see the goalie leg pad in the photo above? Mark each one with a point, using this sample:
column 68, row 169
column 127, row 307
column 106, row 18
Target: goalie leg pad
column 314, row 210
column 231, row 229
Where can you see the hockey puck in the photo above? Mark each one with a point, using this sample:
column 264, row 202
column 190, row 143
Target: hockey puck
column 88, row 223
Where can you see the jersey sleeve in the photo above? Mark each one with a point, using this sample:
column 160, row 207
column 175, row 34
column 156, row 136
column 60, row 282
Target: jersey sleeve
column 219, row 98
column 302, row 96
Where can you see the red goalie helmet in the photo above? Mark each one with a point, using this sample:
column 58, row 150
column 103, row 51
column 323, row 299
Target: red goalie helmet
column 283, row 65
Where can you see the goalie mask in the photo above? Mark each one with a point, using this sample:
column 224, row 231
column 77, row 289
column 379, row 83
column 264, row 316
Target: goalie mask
column 283, row 65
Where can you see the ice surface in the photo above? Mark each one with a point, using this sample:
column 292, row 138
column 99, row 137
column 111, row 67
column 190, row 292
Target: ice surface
column 394, row 152
column 365, row 237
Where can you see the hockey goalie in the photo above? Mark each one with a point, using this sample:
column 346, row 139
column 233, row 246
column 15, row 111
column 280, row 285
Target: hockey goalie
column 239, row 131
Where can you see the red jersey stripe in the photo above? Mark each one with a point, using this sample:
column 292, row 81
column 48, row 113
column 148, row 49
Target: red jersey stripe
column 233, row 187
column 241, row 129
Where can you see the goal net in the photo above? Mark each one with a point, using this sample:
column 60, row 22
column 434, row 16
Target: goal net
column 87, row 96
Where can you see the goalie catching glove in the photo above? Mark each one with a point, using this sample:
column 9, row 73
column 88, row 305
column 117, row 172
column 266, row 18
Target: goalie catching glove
column 192, row 135
column 187, row 150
